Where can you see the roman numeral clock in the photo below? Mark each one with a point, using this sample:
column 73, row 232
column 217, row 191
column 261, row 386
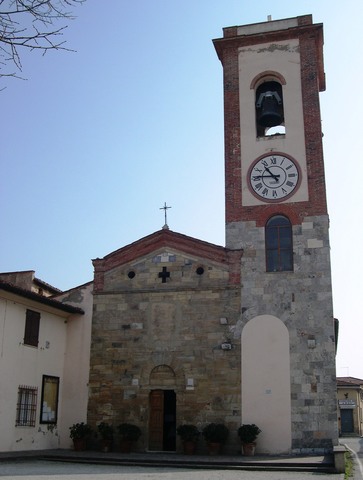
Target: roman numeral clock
column 274, row 177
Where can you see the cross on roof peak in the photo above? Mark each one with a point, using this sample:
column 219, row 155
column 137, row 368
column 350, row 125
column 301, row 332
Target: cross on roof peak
column 165, row 208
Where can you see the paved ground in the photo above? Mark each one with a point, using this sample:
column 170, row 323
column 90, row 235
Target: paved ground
column 40, row 470
column 28, row 467
column 355, row 445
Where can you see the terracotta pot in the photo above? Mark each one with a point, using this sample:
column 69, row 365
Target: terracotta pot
column 214, row 448
column 189, row 447
column 79, row 444
column 248, row 449
column 125, row 446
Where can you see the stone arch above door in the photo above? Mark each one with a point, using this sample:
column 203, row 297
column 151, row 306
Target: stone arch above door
column 266, row 383
column 162, row 376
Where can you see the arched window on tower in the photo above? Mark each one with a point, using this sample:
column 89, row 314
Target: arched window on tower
column 269, row 109
column 278, row 238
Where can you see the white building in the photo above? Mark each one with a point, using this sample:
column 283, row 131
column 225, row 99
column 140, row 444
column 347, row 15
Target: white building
column 44, row 358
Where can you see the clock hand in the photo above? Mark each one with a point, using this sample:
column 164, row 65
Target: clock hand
column 272, row 175
column 266, row 176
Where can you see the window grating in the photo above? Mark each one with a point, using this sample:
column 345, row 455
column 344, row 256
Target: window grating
column 26, row 407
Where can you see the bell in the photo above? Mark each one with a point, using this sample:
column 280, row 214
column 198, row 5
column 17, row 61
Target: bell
column 269, row 110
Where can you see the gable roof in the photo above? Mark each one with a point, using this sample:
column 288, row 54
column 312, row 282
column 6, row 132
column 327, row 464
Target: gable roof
column 349, row 382
column 159, row 239
column 166, row 238
column 22, row 292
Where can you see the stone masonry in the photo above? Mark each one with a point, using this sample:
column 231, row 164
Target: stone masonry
column 148, row 334
column 302, row 299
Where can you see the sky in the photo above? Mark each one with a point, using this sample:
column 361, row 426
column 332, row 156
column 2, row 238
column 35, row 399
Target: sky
column 94, row 142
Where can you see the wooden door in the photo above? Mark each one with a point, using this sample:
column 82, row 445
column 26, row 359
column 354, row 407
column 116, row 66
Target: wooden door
column 156, row 420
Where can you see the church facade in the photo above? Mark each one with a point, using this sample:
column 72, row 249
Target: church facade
column 163, row 348
column 188, row 332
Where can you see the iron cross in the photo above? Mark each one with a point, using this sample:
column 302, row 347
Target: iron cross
column 165, row 208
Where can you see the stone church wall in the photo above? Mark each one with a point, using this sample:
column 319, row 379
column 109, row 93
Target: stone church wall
column 177, row 331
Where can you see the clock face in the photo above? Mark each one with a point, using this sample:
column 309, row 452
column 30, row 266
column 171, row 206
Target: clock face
column 274, row 177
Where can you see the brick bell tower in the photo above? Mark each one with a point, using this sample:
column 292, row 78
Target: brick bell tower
column 276, row 211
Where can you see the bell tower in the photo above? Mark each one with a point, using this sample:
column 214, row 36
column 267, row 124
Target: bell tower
column 276, row 211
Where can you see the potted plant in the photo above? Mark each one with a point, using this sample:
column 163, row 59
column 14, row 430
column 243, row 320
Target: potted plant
column 189, row 435
column 79, row 432
column 129, row 434
column 248, row 434
column 106, row 433
column 216, row 435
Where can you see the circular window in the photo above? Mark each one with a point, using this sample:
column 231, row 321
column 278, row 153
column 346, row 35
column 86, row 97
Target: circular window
column 200, row 270
column 131, row 274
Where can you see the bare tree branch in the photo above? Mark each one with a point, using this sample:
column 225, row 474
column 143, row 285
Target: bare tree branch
column 31, row 24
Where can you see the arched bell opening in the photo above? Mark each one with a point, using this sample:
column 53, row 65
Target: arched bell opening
column 269, row 109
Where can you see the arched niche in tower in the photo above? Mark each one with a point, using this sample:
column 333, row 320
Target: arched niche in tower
column 269, row 104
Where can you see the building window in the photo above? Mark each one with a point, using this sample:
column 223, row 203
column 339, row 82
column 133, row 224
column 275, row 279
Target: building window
column 278, row 236
column 31, row 334
column 26, row 407
column 49, row 403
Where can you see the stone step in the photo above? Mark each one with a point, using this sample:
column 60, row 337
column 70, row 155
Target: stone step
column 295, row 465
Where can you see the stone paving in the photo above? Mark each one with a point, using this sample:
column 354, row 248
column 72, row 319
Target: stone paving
column 355, row 445
column 82, row 465
column 30, row 469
